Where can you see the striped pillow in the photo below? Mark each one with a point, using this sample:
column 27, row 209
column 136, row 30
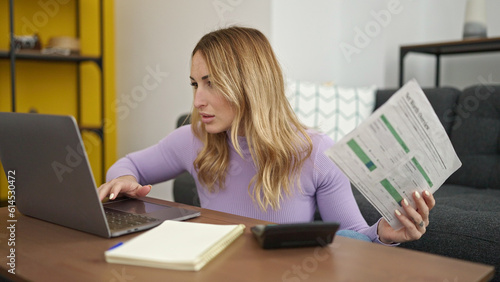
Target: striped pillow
column 331, row 109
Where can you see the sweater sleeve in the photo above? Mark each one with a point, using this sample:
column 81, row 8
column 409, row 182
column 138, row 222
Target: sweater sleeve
column 334, row 195
column 161, row 162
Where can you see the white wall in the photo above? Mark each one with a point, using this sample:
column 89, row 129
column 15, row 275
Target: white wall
column 308, row 37
column 304, row 34
column 157, row 36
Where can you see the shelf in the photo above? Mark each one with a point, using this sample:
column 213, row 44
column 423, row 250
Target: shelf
column 456, row 47
column 4, row 54
column 38, row 56
column 97, row 130
column 81, row 15
column 89, row 128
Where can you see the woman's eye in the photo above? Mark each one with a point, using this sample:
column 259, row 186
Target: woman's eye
column 194, row 85
column 209, row 83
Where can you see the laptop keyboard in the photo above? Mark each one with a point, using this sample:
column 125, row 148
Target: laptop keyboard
column 122, row 220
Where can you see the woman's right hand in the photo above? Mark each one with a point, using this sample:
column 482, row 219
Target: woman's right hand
column 125, row 185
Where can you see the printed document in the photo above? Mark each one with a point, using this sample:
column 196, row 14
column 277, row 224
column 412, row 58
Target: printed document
column 401, row 148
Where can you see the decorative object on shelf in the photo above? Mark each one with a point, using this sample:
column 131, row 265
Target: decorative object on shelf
column 475, row 19
column 27, row 42
column 62, row 45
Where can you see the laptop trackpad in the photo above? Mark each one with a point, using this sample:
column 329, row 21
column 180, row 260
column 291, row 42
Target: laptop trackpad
column 134, row 206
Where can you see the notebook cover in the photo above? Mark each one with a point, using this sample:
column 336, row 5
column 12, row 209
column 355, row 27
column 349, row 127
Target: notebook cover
column 179, row 245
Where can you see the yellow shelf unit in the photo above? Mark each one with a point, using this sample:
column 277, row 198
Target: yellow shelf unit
column 79, row 85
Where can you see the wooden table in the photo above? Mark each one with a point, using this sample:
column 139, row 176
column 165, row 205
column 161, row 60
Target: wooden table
column 48, row 252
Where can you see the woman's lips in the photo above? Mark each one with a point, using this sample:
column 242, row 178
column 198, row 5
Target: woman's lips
column 206, row 118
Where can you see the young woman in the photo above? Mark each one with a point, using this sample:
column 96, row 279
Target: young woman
column 247, row 150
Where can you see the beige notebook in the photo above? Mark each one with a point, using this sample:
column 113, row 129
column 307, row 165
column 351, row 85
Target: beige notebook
column 177, row 245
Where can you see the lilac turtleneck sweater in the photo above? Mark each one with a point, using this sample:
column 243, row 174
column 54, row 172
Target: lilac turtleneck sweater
column 322, row 182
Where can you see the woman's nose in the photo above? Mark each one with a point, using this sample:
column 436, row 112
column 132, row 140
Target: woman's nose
column 199, row 98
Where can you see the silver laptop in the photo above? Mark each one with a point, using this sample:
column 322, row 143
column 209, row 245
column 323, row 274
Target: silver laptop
column 54, row 181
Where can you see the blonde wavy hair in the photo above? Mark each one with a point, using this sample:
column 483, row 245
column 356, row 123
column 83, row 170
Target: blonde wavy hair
column 244, row 69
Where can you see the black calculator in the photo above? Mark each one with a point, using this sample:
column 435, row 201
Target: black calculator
column 273, row 236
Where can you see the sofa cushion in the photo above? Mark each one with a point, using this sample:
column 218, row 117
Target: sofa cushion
column 443, row 101
column 476, row 137
column 464, row 224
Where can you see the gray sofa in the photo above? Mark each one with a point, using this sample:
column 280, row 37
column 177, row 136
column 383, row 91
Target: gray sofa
column 465, row 223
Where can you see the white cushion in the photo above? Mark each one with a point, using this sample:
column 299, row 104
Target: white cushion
column 328, row 108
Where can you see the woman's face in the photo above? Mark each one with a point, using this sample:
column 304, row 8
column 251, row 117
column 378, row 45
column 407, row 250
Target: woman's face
column 214, row 110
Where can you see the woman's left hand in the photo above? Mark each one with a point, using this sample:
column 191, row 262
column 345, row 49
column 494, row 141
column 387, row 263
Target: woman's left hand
column 415, row 222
